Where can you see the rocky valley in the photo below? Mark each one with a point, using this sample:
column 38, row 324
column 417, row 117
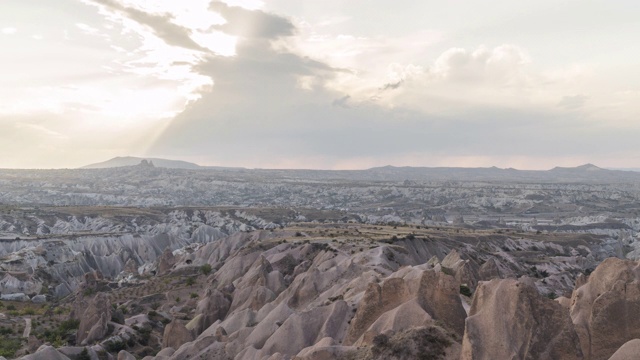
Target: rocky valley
column 143, row 262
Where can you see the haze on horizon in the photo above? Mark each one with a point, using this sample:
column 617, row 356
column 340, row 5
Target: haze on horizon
column 320, row 84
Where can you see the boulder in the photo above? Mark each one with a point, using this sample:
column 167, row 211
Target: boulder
column 14, row 297
column 509, row 319
column 124, row 355
column 39, row 299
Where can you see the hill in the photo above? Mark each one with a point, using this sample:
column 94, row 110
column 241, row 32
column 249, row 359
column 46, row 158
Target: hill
column 132, row 160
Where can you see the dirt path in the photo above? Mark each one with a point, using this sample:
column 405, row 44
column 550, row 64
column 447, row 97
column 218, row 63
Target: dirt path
column 27, row 328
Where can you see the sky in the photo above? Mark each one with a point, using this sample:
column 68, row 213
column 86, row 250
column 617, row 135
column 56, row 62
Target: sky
column 329, row 84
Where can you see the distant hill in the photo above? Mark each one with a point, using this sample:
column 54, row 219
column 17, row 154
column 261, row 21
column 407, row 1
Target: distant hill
column 583, row 173
column 132, row 160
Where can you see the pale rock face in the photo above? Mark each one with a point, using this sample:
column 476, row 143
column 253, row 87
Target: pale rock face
column 94, row 320
column 176, row 334
column 265, row 328
column 166, row 262
column 439, row 296
column 629, row 351
column 203, row 348
column 325, row 349
column 408, row 315
column 213, row 307
column 511, row 320
column 466, row 271
column 46, row 352
column 376, row 301
column 564, row 301
column 305, row 329
column 124, row 355
column 489, row 270
column 606, row 309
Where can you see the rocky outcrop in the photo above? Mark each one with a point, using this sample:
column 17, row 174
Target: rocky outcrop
column 176, row 334
column 166, row 262
column 325, row 349
column 94, row 320
column 489, row 270
column 124, row 355
column 408, row 315
column 606, row 309
column 213, row 307
column 439, row 295
column 509, row 319
column 46, row 352
column 465, row 271
column 307, row 328
column 629, row 351
column 376, row 301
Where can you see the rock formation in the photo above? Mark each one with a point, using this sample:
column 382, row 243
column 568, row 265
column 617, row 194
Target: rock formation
column 176, row 334
column 606, row 309
column 213, row 307
column 94, row 320
column 509, row 319
column 629, row 351
column 439, row 295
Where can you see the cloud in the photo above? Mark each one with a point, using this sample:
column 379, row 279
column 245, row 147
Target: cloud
column 161, row 25
column 392, row 85
column 251, row 23
column 342, row 102
column 9, row 30
column 272, row 106
column 573, row 102
column 502, row 66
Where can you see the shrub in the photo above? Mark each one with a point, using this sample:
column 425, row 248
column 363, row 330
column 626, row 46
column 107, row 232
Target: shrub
column 205, row 269
column 115, row 346
column 194, row 295
column 28, row 311
column 190, row 281
column 84, row 355
column 464, row 290
column 8, row 347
